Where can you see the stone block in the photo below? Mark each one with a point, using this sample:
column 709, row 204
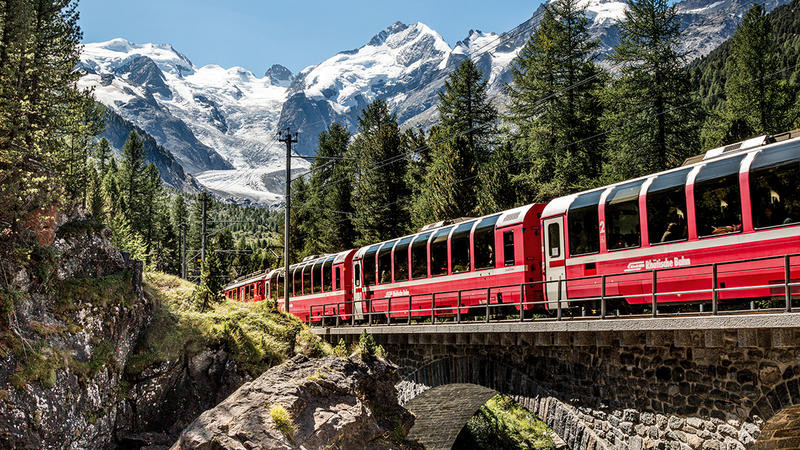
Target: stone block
column 713, row 338
column 563, row 339
column 544, row 339
column 783, row 337
column 604, row 339
column 585, row 339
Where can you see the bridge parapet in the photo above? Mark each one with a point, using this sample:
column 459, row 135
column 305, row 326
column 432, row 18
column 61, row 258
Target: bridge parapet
column 694, row 382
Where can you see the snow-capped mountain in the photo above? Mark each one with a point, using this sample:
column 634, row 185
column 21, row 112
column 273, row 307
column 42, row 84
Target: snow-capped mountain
column 221, row 124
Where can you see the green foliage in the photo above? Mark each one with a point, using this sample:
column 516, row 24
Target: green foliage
column 283, row 421
column 503, row 423
column 341, row 349
column 459, row 146
column 368, row 348
column 651, row 119
column 380, row 189
column 555, row 105
column 256, row 335
column 102, row 292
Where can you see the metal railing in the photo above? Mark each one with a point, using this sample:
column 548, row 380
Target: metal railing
column 336, row 313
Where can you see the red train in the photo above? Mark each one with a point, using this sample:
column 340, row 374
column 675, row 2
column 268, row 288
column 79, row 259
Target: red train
column 694, row 224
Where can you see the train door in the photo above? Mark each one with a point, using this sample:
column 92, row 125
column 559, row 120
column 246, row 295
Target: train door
column 358, row 305
column 554, row 260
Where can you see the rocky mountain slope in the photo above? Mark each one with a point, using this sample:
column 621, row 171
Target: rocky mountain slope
column 221, row 124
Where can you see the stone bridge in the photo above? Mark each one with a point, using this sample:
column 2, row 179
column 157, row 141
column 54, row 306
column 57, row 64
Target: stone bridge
column 713, row 382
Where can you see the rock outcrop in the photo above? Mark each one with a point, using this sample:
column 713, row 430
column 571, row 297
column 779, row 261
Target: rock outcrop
column 78, row 311
column 308, row 403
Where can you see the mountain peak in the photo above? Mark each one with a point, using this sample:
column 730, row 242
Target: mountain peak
column 278, row 75
column 394, row 28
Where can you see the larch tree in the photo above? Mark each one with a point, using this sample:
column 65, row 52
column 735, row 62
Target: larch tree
column 651, row 117
column 380, row 189
column 459, row 146
column 555, row 106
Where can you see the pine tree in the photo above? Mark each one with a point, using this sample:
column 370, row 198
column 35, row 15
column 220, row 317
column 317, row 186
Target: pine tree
column 459, row 146
column 39, row 50
column 151, row 204
column 380, row 188
column 103, row 154
column 652, row 118
column 180, row 225
column 330, row 189
column 555, row 105
column 499, row 183
column 131, row 181
column 755, row 103
column 96, row 199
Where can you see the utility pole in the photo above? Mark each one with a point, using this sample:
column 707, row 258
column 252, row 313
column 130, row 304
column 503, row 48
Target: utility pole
column 288, row 140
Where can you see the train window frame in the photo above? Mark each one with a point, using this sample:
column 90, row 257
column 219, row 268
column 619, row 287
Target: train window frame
column 327, row 267
column 385, row 252
column 461, row 233
column 299, row 289
column 278, row 286
column 357, row 274
column 400, row 255
column 307, row 269
column 513, row 260
column 439, row 239
column 588, row 205
column 719, row 171
column 486, row 227
column 316, row 274
column 372, row 280
column 338, row 279
column 420, row 241
column 766, row 162
column 672, row 183
column 551, row 226
column 619, row 197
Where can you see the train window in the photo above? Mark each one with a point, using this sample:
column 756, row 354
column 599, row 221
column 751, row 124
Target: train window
column 438, row 255
column 369, row 265
column 583, row 221
column 385, row 263
column 358, row 274
column 338, row 278
column 666, row 208
column 307, row 280
column 717, row 202
column 327, row 276
column 508, row 247
column 401, row 259
column 317, row 277
column 623, row 228
column 297, row 281
column 774, row 190
column 280, row 286
column 484, row 243
column 459, row 248
column 554, row 240
column 419, row 256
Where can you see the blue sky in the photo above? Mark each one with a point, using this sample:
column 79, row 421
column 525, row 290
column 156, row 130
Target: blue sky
column 256, row 34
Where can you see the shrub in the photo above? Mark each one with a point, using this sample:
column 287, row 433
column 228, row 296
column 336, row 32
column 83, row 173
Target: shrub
column 283, row 421
column 341, row 349
column 366, row 344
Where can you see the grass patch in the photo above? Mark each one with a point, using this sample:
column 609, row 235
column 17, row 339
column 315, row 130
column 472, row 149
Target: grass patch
column 283, row 421
column 256, row 335
column 504, row 423
column 79, row 228
column 105, row 291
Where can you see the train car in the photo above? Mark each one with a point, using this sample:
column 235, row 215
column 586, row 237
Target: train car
column 468, row 262
column 319, row 286
column 692, row 223
column 249, row 288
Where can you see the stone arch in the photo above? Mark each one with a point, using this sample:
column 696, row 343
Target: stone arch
column 778, row 414
column 467, row 382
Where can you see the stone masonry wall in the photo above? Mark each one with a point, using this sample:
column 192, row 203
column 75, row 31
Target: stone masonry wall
column 713, row 389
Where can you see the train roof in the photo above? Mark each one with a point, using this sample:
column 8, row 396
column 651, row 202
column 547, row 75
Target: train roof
column 560, row 205
column 508, row 217
column 311, row 260
column 247, row 279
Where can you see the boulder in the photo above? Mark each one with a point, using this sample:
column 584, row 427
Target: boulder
column 329, row 402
